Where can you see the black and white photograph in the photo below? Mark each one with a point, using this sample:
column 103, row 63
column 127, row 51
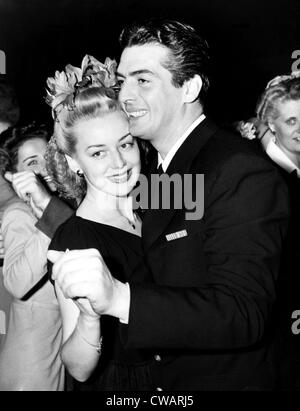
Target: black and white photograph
column 149, row 198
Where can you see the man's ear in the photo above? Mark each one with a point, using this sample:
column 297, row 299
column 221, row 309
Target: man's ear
column 73, row 164
column 192, row 88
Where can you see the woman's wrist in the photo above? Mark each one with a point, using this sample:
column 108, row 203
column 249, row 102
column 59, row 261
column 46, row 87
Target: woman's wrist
column 88, row 320
column 88, row 329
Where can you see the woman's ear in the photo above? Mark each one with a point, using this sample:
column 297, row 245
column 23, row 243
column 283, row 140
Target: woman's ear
column 192, row 89
column 73, row 164
column 271, row 127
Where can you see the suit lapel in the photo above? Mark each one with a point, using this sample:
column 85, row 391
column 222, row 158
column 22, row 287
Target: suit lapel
column 156, row 221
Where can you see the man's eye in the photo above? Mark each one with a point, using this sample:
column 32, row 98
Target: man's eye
column 120, row 82
column 143, row 81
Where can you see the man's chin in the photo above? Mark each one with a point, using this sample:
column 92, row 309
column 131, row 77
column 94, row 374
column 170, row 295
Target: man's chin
column 138, row 132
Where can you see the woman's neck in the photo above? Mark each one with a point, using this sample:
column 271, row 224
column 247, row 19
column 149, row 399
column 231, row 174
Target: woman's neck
column 294, row 157
column 103, row 207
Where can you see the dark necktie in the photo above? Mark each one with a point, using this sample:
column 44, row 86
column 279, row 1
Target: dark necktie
column 160, row 170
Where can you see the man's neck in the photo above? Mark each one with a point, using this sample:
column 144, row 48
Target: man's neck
column 164, row 143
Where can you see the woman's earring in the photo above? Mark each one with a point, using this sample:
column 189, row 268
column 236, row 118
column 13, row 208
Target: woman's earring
column 79, row 173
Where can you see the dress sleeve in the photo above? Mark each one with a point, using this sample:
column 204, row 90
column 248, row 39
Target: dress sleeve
column 56, row 213
column 25, row 261
column 75, row 234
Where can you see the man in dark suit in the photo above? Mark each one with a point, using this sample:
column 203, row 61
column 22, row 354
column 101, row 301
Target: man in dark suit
column 205, row 310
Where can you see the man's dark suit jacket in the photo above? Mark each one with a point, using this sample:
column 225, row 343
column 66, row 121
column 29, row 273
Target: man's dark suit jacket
column 206, row 306
column 288, row 294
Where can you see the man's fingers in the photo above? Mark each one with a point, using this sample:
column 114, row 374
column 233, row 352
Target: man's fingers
column 72, row 274
column 72, row 260
column 79, row 290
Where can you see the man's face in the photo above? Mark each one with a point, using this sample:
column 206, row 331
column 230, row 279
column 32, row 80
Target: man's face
column 154, row 105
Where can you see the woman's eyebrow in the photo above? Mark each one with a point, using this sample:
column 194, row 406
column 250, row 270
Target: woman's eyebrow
column 126, row 135
column 30, row 157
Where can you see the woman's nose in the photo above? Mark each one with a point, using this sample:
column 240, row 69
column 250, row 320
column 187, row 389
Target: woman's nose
column 118, row 160
column 41, row 170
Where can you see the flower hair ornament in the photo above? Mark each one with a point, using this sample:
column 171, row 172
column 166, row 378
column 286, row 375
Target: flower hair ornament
column 279, row 79
column 247, row 129
column 63, row 88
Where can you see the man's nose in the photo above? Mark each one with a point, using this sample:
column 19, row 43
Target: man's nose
column 127, row 93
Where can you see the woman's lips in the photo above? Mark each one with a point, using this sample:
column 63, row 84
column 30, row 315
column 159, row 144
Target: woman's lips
column 121, row 178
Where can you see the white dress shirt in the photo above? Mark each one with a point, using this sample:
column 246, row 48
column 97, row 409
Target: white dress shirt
column 167, row 160
column 280, row 158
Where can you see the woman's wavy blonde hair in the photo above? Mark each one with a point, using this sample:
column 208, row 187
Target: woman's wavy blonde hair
column 90, row 103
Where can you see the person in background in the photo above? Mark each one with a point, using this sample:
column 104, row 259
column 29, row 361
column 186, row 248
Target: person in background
column 29, row 359
column 277, row 126
column 204, row 308
column 9, row 116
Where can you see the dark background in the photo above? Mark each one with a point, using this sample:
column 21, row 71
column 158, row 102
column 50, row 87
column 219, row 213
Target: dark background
column 251, row 41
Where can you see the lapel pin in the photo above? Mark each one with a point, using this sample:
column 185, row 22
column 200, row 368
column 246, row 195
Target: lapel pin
column 175, row 236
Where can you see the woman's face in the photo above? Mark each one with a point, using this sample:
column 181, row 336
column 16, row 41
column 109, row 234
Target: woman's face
column 287, row 126
column 31, row 156
column 107, row 154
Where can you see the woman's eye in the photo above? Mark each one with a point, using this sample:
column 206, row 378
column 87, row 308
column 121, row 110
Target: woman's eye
column 120, row 82
column 98, row 154
column 291, row 121
column 32, row 163
column 125, row 146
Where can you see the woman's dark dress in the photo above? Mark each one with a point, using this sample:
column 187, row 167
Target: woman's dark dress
column 118, row 369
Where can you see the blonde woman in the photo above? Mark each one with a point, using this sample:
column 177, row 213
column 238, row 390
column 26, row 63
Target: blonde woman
column 94, row 159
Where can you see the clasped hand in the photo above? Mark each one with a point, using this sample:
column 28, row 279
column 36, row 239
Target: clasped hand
column 28, row 187
column 84, row 274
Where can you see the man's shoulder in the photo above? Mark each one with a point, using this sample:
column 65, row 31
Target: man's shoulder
column 225, row 147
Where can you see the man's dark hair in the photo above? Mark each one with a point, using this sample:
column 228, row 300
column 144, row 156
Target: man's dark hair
column 9, row 107
column 189, row 51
